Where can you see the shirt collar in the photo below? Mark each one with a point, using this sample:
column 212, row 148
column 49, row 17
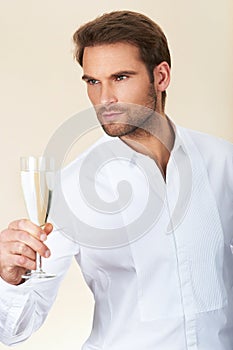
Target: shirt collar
column 178, row 139
column 178, row 143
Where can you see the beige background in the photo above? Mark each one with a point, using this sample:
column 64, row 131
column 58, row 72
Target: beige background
column 40, row 87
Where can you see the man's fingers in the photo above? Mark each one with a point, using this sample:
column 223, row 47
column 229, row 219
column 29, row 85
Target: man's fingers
column 48, row 228
column 39, row 232
column 21, row 248
column 23, row 261
column 22, row 239
column 28, row 226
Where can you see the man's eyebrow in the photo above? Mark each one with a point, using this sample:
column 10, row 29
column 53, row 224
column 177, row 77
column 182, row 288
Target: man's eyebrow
column 87, row 77
column 125, row 72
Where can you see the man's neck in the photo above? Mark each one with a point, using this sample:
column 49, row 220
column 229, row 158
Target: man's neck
column 155, row 139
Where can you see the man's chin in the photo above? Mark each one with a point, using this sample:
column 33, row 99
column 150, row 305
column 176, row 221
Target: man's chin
column 117, row 129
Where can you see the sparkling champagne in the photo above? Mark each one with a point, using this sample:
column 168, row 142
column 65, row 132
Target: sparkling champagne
column 37, row 177
column 37, row 195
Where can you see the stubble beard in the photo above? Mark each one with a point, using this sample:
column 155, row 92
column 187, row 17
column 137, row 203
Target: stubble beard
column 131, row 118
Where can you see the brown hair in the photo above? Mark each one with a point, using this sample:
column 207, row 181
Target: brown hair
column 125, row 26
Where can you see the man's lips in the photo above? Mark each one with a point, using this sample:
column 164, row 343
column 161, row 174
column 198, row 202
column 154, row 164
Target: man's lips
column 111, row 115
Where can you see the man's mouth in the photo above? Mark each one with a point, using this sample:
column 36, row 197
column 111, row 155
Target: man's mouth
column 111, row 115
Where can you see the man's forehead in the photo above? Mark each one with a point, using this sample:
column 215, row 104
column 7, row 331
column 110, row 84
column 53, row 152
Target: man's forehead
column 111, row 57
column 112, row 49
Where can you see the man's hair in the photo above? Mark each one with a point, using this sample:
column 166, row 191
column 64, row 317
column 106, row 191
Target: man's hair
column 130, row 27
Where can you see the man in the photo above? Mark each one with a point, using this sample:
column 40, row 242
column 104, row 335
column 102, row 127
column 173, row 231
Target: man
column 171, row 288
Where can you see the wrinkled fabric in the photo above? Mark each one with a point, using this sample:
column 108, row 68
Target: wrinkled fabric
column 170, row 289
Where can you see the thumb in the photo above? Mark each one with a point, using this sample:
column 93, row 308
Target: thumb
column 48, row 228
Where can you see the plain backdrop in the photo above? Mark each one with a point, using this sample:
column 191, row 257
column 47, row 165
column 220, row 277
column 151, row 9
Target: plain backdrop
column 40, row 87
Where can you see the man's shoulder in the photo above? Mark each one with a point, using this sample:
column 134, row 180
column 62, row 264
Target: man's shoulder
column 209, row 145
column 217, row 155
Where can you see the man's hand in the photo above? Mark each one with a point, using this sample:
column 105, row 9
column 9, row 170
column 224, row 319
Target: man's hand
column 18, row 246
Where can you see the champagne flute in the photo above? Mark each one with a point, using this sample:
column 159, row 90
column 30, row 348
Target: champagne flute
column 37, row 177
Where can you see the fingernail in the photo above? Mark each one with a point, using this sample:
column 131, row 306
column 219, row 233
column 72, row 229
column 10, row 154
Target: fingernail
column 43, row 237
column 47, row 253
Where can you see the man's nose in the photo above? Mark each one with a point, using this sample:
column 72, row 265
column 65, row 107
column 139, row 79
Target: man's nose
column 108, row 95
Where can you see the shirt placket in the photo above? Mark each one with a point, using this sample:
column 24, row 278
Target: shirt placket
column 183, row 268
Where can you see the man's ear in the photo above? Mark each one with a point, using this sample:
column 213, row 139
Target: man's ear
column 162, row 75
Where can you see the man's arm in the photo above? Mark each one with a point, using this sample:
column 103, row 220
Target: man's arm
column 25, row 305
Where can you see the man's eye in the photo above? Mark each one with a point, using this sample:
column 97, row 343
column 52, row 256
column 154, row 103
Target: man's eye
column 92, row 81
column 121, row 77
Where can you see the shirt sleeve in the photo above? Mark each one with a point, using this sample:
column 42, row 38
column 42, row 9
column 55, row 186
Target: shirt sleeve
column 24, row 308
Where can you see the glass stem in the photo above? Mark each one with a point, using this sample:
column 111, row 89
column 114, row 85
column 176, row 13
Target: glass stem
column 38, row 262
column 38, row 256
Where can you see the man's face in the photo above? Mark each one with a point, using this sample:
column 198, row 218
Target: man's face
column 119, row 87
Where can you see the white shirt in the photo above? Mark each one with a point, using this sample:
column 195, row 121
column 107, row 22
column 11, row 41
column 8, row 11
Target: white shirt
column 170, row 288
